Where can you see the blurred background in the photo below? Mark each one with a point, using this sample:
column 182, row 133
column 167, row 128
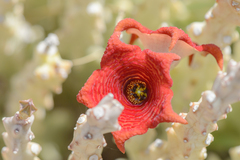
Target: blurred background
column 83, row 28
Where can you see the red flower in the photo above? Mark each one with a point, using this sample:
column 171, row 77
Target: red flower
column 140, row 79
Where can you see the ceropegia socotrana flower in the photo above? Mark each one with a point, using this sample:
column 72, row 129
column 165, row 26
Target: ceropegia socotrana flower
column 140, row 79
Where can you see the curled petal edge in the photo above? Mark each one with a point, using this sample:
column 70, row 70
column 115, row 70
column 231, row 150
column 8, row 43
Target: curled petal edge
column 163, row 40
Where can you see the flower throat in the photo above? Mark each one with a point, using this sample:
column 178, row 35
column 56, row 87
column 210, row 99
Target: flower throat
column 136, row 91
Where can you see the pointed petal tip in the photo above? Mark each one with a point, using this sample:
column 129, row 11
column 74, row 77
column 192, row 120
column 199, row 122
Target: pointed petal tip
column 78, row 97
column 122, row 149
column 175, row 57
column 120, row 144
column 169, row 115
column 177, row 119
column 122, row 136
column 134, row 37
column 190, row 59
column 81, row 98
column 215, row 51
column 182, row 121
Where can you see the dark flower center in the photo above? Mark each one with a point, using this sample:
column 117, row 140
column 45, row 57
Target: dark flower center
column 136, row 91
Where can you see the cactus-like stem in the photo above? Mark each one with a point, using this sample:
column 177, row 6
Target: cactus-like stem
column 219, row 26
column 88, row 140
column 18, row 134
column 235, row 153
column 42, row 76
column 190, row 141
column 21, row 32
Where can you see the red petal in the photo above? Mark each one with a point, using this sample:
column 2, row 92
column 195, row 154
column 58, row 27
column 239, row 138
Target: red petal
column 87, row 95
column 133, row 38
column 175, row 34
column 166, row 39
column 190, row 59
column 149, row 66
column 214, row 50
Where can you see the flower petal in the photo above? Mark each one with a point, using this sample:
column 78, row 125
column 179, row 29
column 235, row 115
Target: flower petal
column 137, row 121
column 167, row 40
column 146, row 65
column 214, row 51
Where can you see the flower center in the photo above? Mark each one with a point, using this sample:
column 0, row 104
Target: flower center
column 136, row 91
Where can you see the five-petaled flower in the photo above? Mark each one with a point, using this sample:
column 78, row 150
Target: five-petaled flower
column 140, row 79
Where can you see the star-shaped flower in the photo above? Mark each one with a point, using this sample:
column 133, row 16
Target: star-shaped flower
column 140, row 79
